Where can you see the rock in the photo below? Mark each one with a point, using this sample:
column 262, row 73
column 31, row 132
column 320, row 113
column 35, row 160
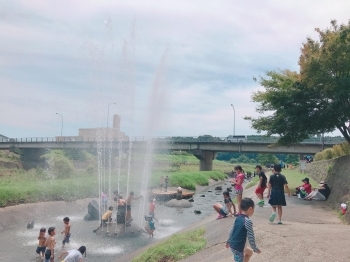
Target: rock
column 202, row 195
column 30, row 225
column 229, row 189
column 197, row 212
column 225, row 183
column 218, row 188
column 87, row 217
column 191, row 200
column 210, row 190
column 93, row 210
column 178, row 203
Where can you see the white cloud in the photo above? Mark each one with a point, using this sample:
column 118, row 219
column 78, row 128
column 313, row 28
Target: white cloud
column 60, row 56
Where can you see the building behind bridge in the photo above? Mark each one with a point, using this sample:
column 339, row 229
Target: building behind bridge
column 99, row 133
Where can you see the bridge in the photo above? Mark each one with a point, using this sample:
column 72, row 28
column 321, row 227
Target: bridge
column 204, row 149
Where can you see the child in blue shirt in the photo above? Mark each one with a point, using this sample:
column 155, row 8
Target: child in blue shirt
column 150, row 225
column 243, row 228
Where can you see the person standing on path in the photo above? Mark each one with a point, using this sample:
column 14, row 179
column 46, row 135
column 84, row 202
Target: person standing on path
column 259, row 191
column 243, row 228
column 277, row 199
column 238, row 186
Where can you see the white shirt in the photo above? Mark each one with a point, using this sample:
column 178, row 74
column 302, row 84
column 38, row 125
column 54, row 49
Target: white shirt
column 73, row 256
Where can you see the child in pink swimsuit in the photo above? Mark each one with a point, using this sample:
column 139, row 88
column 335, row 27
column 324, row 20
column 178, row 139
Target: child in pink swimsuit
column 238, row 186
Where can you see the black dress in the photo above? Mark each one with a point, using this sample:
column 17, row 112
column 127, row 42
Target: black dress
column 277, row 197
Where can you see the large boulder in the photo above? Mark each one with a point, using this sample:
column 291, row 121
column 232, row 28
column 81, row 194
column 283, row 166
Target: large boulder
column 93, row 210
column 87, row 217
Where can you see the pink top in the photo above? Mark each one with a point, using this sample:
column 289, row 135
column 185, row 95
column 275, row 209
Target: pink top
column 239, row 177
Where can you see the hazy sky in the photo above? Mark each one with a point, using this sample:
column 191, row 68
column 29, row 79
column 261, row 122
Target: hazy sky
column 172, row 67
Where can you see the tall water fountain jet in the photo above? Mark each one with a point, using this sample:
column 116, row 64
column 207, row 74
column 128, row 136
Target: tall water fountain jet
column 156, row 116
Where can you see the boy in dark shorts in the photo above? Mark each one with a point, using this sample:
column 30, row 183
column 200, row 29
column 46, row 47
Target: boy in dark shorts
column 66, row 231
column 50, row 245
column 243, row 228
column 277, row 199
column 225, row 210
column 129, row 199
column 40, row 250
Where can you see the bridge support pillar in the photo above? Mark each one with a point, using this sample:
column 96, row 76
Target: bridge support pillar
column 205, row 159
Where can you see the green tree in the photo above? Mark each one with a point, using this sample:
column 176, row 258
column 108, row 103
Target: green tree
column 264, row 159
column 313, row 101
column 292, row 159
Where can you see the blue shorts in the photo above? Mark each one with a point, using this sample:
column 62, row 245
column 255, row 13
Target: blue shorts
column 66, row 239
column 238, row 256
column 40, row 249
column 222, row 212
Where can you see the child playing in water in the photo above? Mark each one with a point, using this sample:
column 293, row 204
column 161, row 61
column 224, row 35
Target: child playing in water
column 129, row 199
column 150, row 225
column 243, row 228
column 40, row 250
column 66, row 231
column 225, row 210
column 75, row 255
column 152, row 208
column 50, row 245
column 106, row 217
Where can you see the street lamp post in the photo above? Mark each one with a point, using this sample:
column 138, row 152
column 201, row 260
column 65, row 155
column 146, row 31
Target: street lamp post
column 61, row 122
column 234, row 119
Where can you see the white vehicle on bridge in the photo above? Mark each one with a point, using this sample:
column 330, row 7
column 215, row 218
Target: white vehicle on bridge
column 238, row 139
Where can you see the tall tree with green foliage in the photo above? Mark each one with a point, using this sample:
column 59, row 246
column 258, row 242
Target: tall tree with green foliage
column 314, row 100
column 264, row 159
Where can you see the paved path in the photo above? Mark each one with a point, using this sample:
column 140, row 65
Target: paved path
column 311, row 232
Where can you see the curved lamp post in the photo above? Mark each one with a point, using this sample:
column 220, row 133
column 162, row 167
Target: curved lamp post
column 234, row 119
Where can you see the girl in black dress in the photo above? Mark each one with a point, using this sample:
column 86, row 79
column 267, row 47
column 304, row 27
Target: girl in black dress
column 277, row 184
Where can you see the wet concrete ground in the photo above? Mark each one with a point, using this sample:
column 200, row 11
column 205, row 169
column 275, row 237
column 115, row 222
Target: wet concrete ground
column 17, row 243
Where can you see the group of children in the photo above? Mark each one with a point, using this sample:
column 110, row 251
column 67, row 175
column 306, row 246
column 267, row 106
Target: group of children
column 123, row 215
column 46, row 245
column 243, row 226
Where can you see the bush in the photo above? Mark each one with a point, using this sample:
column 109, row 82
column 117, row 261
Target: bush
column 327, row 153
column 58, row 165
column 233, row 160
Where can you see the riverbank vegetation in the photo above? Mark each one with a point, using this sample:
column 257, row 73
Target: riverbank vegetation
column 334, row 152
column 175, row 248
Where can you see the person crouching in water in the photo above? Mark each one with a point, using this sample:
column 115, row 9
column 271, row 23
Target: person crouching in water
column 75, row 255
column 225, row 210
column 106, row 217
column 150, row 225
column 243, row 228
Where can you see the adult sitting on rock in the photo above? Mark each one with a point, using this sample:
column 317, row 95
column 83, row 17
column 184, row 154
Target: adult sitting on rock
column 321, row 193
column 307, row 187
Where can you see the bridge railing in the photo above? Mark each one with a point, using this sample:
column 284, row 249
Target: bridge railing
column 190, row 139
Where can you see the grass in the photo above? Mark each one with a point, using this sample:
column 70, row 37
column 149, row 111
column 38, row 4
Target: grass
column 177, row 247
column 252, row 182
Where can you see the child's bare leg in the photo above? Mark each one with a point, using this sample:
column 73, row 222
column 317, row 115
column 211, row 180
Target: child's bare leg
column 217, row 207
column 279, row 213
column 234, row 208
column 248, row 252
column 239, row 200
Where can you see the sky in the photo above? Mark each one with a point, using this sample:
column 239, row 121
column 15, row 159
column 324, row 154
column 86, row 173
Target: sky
column 172, row 68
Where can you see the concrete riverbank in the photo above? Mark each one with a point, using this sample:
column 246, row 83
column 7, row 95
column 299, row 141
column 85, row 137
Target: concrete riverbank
column 311, row 232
